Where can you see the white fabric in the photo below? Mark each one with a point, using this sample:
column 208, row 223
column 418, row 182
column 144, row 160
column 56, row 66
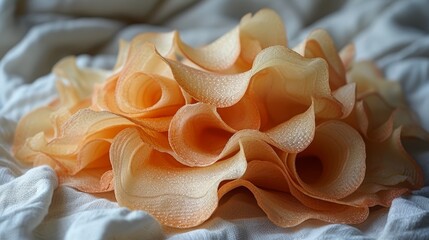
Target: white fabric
column 34, row 35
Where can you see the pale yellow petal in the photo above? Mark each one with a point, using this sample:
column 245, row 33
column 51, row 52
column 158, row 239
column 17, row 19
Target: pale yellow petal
column 77, row 79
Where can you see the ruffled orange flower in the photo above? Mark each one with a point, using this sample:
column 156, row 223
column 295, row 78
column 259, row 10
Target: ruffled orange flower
column 172, row 128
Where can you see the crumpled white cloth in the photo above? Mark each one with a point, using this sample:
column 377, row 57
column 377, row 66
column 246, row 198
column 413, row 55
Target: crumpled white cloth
column 34, row 35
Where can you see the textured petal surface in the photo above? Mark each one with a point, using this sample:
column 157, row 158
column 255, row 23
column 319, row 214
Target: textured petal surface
column 199, row 136
column 217, row 56
column 139, row 94
column 173, row 193
column 267, row 179
column 286, row 211
column 320, row 44
column 368, row 78
column 237, row 49
column 80, row 150
column 305, row 78
column 333, row 166
column 391, row 172
column 79, row 80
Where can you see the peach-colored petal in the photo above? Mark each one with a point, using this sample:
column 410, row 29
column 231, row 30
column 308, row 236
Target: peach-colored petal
column 146, row 95
column 143, row 57
column 375, row 117
column 303, row 79
column 241, row 44
column 319, row 44
column 266, row 175
column 89, row 164
column 300, row 79
column 41, row 123
column 150, row 100
column 295, row 134
column 147, row 99
column 268, row 180
column 75, row 86
column 27, row 128
column 389, row 163
column 374, row 194
column 175, row 194
column 333, row 165
column 79, row 149
column 274, row 105
column 347, row 55
column 199, row 136
column 80, row 132
column 311, row 201
column 263, row 22
column 101, row 99
column 405, row 118
column 77, row 79
column 122, row 55
column 242, row 115
column 217, row 89
column 346, row 95
column 163, row 42
column 390, row 173
column 368, row 79
column 260, row 31
column 89, row 123
column 217, row 56
column 264, row 167
column 286, row 211
column 90, row 180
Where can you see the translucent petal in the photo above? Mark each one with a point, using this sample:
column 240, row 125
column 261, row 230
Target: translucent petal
column 286, row 211
column 175, row 194
column 368, row 78
column 333, row 165
column 199, row 136
column 148, row 99
column 390, row 173
column 302, row 79
column 77, row 79
column 319, row 44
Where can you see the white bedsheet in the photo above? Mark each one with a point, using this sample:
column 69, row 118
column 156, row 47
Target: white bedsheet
column 34, row 35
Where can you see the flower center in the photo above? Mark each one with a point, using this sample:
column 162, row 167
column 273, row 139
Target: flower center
column 309, row 168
